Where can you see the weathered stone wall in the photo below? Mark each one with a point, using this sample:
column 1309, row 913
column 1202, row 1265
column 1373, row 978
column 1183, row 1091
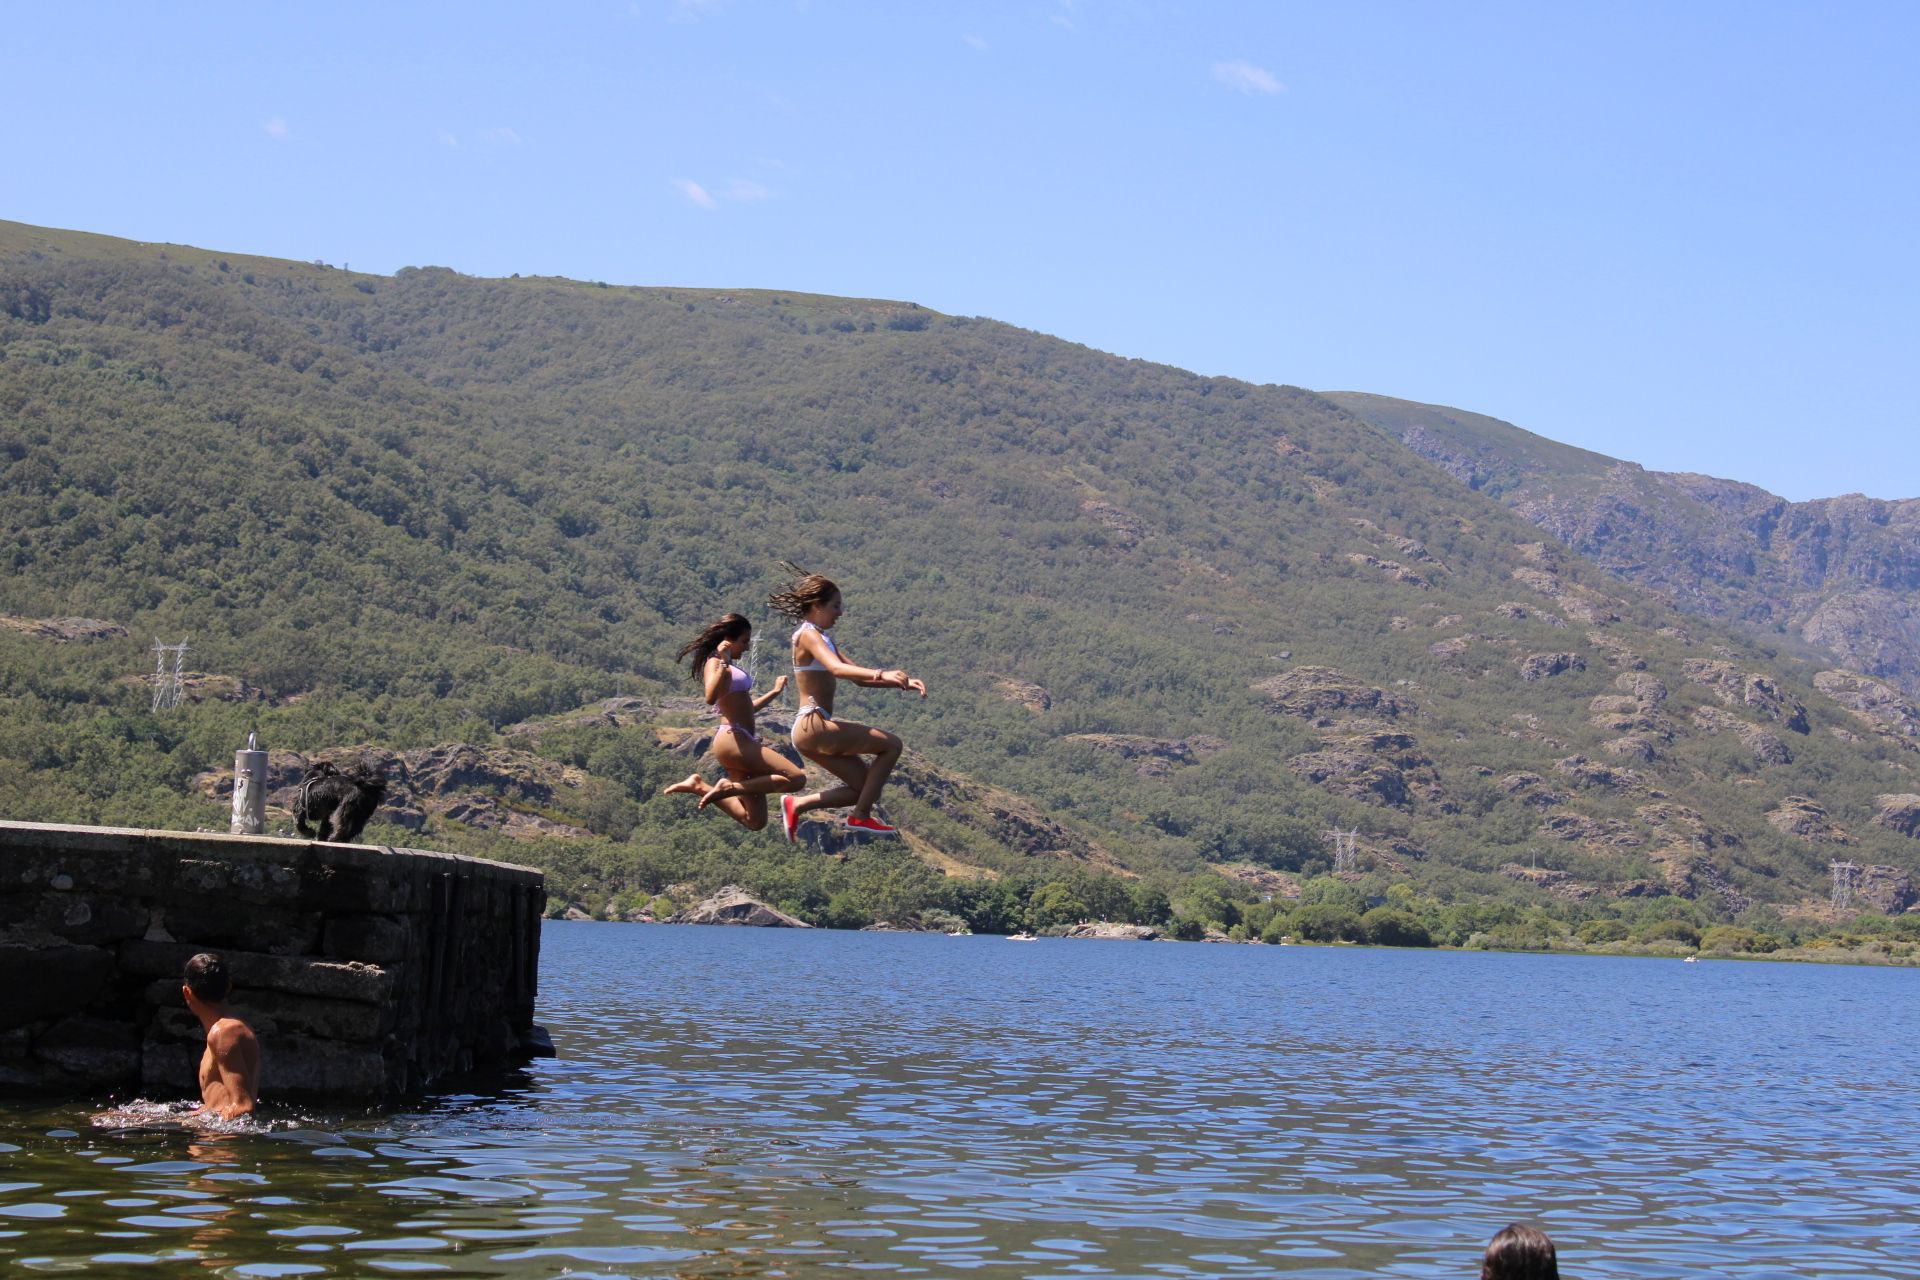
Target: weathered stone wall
column 364, row 971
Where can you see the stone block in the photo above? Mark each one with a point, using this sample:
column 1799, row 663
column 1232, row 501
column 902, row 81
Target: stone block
column 222, row 923
column 127, row 870
column 171, row 1065
column 296, row 975
column 44, row 977
column 350, row 889
column 97, row 1050
column 261, row 883
column 300, row 1065
column 89, row 916
column 366, row 937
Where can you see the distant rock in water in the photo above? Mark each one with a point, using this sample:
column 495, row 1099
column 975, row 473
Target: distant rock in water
column 1109, row 929
column 734, row 905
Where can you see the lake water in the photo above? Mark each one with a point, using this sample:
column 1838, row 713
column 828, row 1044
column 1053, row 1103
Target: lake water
column 738, row 1102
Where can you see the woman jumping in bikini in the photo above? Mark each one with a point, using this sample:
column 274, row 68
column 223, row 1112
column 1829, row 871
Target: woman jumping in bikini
column 753, row 771
column 838, row 746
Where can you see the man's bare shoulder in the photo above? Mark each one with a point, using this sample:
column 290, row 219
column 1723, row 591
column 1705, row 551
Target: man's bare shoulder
column 229, row 1035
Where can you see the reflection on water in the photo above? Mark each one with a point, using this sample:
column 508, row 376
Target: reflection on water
column 768, row 1103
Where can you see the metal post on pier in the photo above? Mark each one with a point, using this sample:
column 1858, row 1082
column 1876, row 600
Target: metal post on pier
column 249, row 789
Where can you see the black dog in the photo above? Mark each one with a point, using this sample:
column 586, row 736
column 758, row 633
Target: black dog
column 339, row 804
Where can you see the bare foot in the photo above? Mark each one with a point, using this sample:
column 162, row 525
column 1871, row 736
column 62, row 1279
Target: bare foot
column 693, row 783
column 719, row 791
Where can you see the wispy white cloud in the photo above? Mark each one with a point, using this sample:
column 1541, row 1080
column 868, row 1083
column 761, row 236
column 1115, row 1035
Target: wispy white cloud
column 974, row 42
column 746, row 190
column 1246, row 77
column 448, row 140
column 695, row 192
column 277, row 129
column 503, row 136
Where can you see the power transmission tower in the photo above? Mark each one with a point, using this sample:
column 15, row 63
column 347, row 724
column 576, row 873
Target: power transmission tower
column 1845, row 881
column 167, row 686
column 1346, row 849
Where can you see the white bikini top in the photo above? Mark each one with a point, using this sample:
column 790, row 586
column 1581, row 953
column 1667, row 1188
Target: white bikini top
column 815, row 664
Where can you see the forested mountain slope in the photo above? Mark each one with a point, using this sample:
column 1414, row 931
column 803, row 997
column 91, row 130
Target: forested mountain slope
column 1169, row 621
column 1842, row 574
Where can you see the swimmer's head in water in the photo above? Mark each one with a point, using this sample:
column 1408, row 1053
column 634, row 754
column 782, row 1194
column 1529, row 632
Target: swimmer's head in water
column 734, row 627
column 206, row 976
column 809, row 591
column 1520, row 1252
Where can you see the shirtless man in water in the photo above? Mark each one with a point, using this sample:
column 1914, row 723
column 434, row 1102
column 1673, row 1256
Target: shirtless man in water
column 230, row 1068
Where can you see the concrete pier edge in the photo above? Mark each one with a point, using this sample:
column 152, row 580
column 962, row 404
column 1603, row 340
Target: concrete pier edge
column 367, row 971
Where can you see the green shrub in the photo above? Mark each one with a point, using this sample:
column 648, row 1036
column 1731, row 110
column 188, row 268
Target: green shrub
column 1668, row 931
column 1385, row 927
column 1595, row 931
column 1323, row 922
column 1731, row 937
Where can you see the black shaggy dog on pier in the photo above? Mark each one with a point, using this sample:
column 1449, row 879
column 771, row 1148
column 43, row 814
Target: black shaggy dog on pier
column 339, row 804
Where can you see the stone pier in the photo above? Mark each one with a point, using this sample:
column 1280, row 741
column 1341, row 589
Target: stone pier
column 366, row 972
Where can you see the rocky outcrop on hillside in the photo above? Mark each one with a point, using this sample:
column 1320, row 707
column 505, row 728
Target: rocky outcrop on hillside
column 1751, row 689
column 64, row 630
column 1151, row 757
column 1805, row 818
column 1311, row 692
column 1015, row 824
column 734, row 905
column 1393, row 569
column 1900, row 812
column 1539, row 666
column 608, row 713
column 1376, row 762
column 1562, row 884
column 205, row 686
column 1842, row 572
column 1024, row 693
column 1880, row 705
column 1885, row 889
column 1766, row 746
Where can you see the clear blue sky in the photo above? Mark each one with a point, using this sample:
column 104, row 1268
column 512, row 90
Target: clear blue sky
column 1680, row 233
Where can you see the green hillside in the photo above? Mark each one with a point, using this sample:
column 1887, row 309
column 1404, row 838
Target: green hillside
column 1171, row 623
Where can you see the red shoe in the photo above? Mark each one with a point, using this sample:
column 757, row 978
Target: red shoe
column 872, row 826
column 789, row 820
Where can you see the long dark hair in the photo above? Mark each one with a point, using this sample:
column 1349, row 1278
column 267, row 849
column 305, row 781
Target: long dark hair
column 807, row 590
column 732, row 627
column 1520, row 1252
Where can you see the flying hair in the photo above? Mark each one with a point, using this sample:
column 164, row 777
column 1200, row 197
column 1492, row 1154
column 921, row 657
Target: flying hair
column 732, row 627
column 807, row 590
